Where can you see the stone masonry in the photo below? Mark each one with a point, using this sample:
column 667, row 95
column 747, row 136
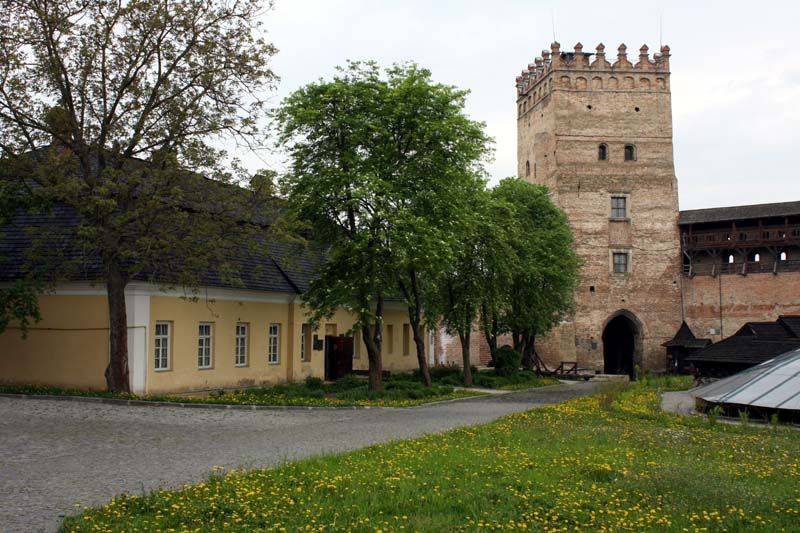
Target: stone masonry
column 592, row 130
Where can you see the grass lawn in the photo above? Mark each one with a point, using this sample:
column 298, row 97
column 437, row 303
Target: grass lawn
column 578, row 466
column 488, row 379
column 399, row 391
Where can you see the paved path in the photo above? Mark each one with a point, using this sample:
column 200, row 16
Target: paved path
column 55, row 454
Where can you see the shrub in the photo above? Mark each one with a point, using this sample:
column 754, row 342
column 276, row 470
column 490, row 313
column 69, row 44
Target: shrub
column 347, row 383
column 713, row 414
column 507, row 361
column 314, row 383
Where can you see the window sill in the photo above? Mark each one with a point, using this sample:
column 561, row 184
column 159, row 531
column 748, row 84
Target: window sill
column 162, row 369
column 205, row 368
column 615, row 219
column 276, row 363
column 242, row 366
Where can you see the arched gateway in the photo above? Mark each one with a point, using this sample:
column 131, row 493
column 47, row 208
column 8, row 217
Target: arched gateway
column 622, row 344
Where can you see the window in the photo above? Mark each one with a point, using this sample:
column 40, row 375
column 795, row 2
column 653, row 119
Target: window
column 273, row 344
column 527, row 168
column 730, row 259
column 621, row 262
column 757, row 258
column 305, row 343
column 162, row 346
column 241, row 344
column 630, row 152
column 406, row 339
column 204, row 338
column 619, row 207
column 783, row 256
column 602, row 152
column 389, row 340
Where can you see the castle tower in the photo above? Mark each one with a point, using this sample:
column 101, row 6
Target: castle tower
column 598, row 133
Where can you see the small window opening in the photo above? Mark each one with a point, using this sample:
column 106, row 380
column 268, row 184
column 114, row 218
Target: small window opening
column 620, row 263
column 588, row 106
column 527, row 168
column 757, row 258
column 630, row 152
column 591, row 289
column 783, row 256
column 636, row 109
column 730, row 259
column 602, row 152
column 619, row 207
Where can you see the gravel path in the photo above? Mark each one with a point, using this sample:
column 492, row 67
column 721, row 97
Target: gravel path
column 55, row 455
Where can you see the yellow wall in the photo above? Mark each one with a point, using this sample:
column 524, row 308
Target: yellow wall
column 185, row 317
column 67, row 348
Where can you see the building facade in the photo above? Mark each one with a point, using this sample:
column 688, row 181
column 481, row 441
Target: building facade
column 598, row 134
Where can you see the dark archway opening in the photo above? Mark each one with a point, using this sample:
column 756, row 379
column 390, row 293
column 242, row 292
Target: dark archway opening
column 619, row 346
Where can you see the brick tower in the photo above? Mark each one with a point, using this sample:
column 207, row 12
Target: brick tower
column 599, row 135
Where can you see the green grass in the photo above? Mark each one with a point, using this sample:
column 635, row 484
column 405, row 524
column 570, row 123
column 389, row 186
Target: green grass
column 487, row 379
column 578, row 466
column 399, row 391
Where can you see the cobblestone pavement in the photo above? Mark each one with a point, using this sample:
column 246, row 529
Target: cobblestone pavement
column 56, row 455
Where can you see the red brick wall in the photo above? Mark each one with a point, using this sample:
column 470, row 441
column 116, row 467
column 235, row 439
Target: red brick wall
column 751, row 298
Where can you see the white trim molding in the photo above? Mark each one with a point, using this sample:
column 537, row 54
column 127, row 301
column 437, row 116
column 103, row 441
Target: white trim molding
column 137, row 307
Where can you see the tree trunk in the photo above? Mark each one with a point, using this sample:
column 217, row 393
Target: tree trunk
column 415, row 318
column 490, row 331
column 117, row 369
column 373, row 342
column 465, row 356
column 528, row 349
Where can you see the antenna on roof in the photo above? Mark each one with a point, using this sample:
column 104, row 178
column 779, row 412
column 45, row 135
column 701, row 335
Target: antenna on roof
column 553, row 22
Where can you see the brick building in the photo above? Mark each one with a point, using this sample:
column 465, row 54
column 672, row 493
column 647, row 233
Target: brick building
column 597, row 132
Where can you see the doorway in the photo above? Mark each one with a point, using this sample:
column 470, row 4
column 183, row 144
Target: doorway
column 338, row 357
column 620, row 345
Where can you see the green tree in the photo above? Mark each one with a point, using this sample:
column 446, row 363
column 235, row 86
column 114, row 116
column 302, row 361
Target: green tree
column 128, row 95
column 433, row 161
column 19, row 300
column 469, row 281
column 546, row 268
column 379, row 164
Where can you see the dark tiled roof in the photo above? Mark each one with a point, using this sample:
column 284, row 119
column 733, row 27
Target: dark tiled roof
column 278, row 267
column 740, row 212
column 754, row 343
column 792, row 323
column 685, row 338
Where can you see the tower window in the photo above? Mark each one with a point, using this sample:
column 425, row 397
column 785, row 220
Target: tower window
column 602, row 152
column 527, row 168
column 730, row 259
column 783, row 256
column 619, row 207
column 621, row 262
column 630, row 152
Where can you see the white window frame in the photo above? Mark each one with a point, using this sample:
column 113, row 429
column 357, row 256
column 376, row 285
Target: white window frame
column 205, row 346
column 162, row 347
column 303, row 344
column 274, row 344
column 242, row 344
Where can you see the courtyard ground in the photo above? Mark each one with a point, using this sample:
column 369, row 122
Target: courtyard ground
column 56, row 454
column 610, row 462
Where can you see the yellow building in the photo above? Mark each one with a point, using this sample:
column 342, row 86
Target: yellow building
column 214, row 338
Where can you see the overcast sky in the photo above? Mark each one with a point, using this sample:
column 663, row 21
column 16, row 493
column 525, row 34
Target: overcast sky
column 735, row 71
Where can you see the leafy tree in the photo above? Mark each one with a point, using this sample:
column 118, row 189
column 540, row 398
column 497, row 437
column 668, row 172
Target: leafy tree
column 547, row 267
column 468, row 282
column 19, row 300
column 379, row 164
column 127, row 95
column 432, row 159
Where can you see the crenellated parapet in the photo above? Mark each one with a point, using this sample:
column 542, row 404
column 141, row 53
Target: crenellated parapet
column 579, row 70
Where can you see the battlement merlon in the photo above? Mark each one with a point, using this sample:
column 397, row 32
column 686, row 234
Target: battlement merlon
column 577, row 60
